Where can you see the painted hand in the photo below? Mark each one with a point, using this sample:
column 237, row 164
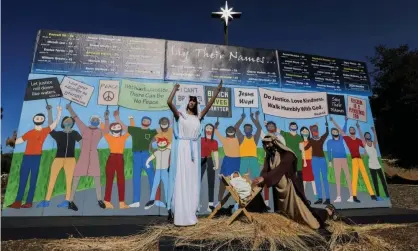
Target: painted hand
column 176, row 87
column 330, row 118
column 215, row 167
column 305, row 164
column 216, row 124
column 148, row 165
column 49, row 107
column 265, row 123
column 243, row 115
column 131, row 117
column 116, row 113
column 59, row 108
column 330, row 164
column 68, row 106
column 346, row 118
column 106, row 115
column 258, row 180
column 220, row 85
column 257, row 113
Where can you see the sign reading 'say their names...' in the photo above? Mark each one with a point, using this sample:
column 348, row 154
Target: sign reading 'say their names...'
column 185, row 91
column 43, row 88
column 336, row 104
column 144, row 96
column 246, row 97
column 76, row 91
column 294, row 105
column 108, row 92
column 222, row 105
column 211, row 63
column 357, row 109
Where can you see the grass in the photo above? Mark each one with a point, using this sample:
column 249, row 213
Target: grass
column 87, row 182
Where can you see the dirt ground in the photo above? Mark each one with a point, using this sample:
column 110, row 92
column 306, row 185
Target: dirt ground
column 401, row 237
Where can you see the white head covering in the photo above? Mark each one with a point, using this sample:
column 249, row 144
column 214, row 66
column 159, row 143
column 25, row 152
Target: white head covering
column 183, row 109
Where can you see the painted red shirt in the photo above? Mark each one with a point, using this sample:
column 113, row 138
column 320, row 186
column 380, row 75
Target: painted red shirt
column 353, row 146
column 208, row 146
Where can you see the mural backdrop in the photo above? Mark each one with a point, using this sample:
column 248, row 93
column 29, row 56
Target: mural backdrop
column 95, row 130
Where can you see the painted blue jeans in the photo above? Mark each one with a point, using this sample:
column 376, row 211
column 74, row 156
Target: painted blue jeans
column 139, row 160
column 320, row 169
column 160, row 175
column 30, row 166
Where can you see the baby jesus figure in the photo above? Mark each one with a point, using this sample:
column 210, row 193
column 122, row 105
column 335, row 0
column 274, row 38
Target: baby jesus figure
column 241, row 186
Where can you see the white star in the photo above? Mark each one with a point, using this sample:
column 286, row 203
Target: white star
column 226, row 13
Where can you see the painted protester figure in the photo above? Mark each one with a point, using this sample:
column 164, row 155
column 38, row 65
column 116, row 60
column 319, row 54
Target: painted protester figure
column 142, row 138
column 294, row 142
column 231, row 160
column 64, row 158
column 319, row 164
column 370, row 146
column 208, row 164
column 162, row 159
column 307, row 172
column 248, row 145
column 165, row 131
column 88, row 163
column 35, row 139
column 338, row 159
column 115, row 164
column 354, row 144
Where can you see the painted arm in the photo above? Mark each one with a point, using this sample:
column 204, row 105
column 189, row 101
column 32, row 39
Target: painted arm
column 337, row 126
column 302, row 149
column 106, row 125
column 50, row 119
column 329, row 152
column 19, row 141
column 216, row 158
column 257, row 124
column 170, row 102
column 149, row 160
column 78, row 121
column 363, row 140
column 345, row 126
column 118, row 120
column 374, row 136
column 211, row 101
column 325, row 135
column 220, row 137
column 237, row 127
column 55, row 123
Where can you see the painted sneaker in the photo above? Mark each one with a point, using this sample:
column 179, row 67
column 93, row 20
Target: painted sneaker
column 43, row 203
column 15, row 205
column 63, row 204
column 319, row 201
column 136, row 204
column 108, row 205
column 350, row 199
column 122, row 205
column 72, row 206
column 373, row 197
column 327, row 202
column 149, row 204
column 27, row 205
column 101, row 204
column 380, row 198
column 159, row 203
column 338, row 199
column 356, row 200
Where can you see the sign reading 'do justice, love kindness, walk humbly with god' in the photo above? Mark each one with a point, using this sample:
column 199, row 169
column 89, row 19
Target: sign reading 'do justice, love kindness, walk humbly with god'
column 144, row 96
column 298, row 105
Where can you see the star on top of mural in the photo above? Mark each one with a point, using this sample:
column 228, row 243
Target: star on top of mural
column 227, row 13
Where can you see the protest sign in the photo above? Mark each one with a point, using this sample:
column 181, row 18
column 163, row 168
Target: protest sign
column 108, row 92
column 76, row 91
column 182, row 95
column 336, row 104
column 299, row 105
column 222, row 105
column 144, row 96
column 43, row 88
column 246, row 97
column 357, row 109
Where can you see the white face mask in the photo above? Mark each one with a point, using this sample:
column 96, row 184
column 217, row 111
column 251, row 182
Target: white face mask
column 164, row 126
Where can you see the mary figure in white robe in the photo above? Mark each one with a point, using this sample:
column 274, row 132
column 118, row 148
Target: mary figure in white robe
column 184, row 174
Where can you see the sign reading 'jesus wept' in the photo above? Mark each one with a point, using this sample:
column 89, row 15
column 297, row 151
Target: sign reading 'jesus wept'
column 294, row 105
column 246, row 97
column 144, row 96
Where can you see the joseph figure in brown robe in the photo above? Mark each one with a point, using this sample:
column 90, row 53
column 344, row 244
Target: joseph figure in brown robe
column 279, row 172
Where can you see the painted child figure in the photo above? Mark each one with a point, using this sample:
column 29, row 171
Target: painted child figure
column 162, row 159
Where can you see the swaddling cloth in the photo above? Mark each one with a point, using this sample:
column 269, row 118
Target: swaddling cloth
column 241, row 186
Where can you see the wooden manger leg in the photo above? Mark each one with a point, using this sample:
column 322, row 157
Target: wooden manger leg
column 235, row 215
column 247, row 214
column 221, row 203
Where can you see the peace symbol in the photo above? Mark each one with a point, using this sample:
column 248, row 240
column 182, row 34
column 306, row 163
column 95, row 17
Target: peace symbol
column 108, row 96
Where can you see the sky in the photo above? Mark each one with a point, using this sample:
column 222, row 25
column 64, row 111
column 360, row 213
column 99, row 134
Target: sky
column 342, row 29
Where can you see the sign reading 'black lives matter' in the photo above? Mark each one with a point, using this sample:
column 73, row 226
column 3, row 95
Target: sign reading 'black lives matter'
column 222, row 105
column 43, row 88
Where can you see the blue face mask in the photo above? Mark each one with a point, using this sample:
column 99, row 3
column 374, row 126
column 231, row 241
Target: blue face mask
column 95, row 123
column 293, row 129
column 68, row 125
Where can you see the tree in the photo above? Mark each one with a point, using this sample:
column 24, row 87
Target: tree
column 395, row 102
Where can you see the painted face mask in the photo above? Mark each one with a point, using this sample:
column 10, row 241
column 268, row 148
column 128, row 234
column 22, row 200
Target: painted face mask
column 305, row 134
column 368, row 137
column 335, row 134
column 95, row 121
column 208, row 131
column 38, row 119
column 352, row 131
column 230, row 132
column 271, row 128
column 146, row 121
column 293, row 128
column 248, row 131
